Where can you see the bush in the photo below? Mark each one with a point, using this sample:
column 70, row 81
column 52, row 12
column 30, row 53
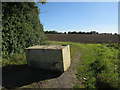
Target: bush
column 21, row 27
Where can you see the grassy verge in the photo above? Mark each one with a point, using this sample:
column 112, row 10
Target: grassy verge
column 15, row 59
column 97, row 67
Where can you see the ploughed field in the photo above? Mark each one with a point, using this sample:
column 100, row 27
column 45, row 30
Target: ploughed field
column 83, row 38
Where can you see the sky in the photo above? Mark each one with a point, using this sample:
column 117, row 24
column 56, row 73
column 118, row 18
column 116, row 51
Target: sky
column 80, row 16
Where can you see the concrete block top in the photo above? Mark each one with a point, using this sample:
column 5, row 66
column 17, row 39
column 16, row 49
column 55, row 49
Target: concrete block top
column 47, row 47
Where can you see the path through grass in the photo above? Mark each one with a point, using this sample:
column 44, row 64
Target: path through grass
column 98, row 65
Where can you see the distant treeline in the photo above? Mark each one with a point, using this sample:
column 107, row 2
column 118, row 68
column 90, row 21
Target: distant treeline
column 80, row 32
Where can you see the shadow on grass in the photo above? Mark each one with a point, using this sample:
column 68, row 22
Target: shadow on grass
column 96, row 66
column 19, row 75
column 101, row 84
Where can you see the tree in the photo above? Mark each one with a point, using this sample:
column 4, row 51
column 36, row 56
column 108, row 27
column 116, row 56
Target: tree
column 65, row 33
column 115, row 33
column 94, row 32
column 69, row 32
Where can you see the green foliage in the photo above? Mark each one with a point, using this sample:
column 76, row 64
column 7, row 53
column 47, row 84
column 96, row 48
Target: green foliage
column 99, row 67
column 51, row 32
column 15, row 59
column 21, row 27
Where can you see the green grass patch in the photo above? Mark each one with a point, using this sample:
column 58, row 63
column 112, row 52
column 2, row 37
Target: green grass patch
column 99, row 67
column 15, row 59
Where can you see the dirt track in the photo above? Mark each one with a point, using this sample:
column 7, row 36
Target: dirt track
column 68, row 79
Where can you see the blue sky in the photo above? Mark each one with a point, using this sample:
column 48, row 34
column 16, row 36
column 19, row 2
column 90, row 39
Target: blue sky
column 80, row 16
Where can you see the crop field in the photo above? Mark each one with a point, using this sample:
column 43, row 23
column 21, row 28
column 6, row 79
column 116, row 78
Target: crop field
column 80, row 38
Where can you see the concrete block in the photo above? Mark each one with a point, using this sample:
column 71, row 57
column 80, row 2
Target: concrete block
column 50, row 57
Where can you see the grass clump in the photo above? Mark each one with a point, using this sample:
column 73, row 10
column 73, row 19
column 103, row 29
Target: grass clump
column 99, row 67
column 15, row 59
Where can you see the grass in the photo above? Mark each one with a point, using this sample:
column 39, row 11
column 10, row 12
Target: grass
column 15, row 59
column 98, row 66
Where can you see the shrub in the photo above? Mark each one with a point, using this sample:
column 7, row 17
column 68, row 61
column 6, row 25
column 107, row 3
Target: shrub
column 21, row 27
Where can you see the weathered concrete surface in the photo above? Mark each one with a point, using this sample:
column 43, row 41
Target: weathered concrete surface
column 66, row 57
column 52, row 57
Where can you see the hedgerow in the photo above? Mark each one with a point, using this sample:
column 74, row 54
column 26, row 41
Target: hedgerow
column 21, row 27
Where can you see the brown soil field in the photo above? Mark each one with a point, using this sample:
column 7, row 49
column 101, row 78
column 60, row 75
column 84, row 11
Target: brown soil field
column 83, row 38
